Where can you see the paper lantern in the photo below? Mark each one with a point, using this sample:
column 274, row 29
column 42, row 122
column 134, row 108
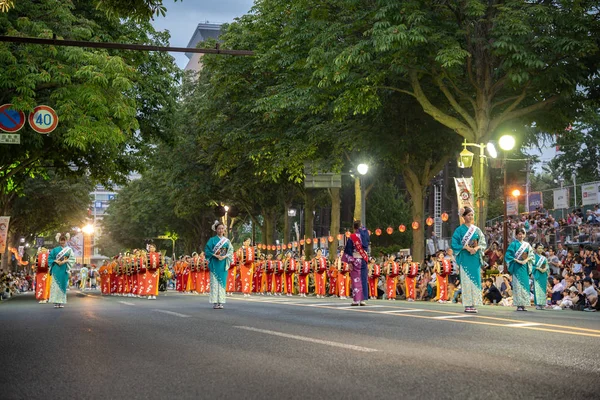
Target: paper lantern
column 444, row 217
column 389, row 230
column 415, row 225
column 308, row 240
column 378, row 231
column 269, row 247
column 330, row 238
column 323, row 240
column 301, row 242
column 429, row 221
column 340, row 236
column 295, row 244
column 402, row 228
column 347, row 234
column 264, row 246
column 278, row 247
column 289, row 245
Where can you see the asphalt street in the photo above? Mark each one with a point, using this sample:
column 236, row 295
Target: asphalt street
column 178, row 347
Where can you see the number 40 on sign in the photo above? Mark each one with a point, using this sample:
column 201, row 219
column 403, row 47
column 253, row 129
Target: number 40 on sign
column 43, row 119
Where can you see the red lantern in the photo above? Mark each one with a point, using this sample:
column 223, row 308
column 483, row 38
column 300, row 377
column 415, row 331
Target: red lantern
column 389, row 230
column 347, row 234
column 308, row 240
column 402, row 228
column 330, row 238
column 295, row 244
column 289, row 245
column 340, row 236
column 269, row 247
column 264, row 246
column 301, row 242
column 323, row 240
column 444, row 217
column 378, row 231
column 415, row 226
column 278, row 247
column 429, row 221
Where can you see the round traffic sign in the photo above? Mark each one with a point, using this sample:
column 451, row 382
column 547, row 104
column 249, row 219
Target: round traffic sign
column 43, row 119
column 11, row 120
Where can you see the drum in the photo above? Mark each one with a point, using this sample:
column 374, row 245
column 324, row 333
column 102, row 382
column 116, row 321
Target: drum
column 270, row 267
column 411, row 269
column 322, row 265
column 376, row 271
column 345, row 267
column 394, row 269
column 42, row 262
column 291, row 265
column 446, row 268
column 279, row 267
column 305, row 270
column 154, row 260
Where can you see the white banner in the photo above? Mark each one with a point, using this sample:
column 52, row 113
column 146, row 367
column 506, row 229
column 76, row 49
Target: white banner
column 4, row 221
column 512, row 205
column 464, row 192
column 561, row 198
column 589, row 194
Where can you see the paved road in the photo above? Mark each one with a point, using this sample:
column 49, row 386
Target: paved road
column 292, row 348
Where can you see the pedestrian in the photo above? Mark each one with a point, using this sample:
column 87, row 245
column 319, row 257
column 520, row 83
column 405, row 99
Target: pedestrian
column 540, row 278
column 519, row 258
column 356, row 256
column 61, row 259
column 219, row 252
column 468, row 243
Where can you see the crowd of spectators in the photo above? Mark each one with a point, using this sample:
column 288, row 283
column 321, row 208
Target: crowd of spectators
column 13, row 283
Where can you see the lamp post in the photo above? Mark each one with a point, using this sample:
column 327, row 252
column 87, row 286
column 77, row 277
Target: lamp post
column 87, row 230
column 362, row 170
column 226, row 211
column 466, row 161
column 507, row 143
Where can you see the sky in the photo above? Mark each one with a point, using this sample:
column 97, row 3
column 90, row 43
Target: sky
column 184, row 15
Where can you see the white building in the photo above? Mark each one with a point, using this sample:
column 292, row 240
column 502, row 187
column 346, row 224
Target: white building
column 203, row 32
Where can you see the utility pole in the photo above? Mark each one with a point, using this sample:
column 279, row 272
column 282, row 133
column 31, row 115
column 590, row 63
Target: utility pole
column 527, row 184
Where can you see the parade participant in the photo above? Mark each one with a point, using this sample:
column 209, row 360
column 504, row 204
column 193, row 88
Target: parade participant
column 127, row 282
column 247, row 256
column 519, row 258
column 320, row 266
column 269, row 272
column 290, row 272
column 61, row 259
column 279, row 270
column 93, row 276
column 392, row 270
column 121, row 276
column 303, row 273
column 153, row 262
column 187, row 274
column 411, row 271
column 42, row 276
column 219, row 252
column 231, row 276
column 83, row 277
column 356, row 258
column 333, row 274
column 343, row 277
column 206, row 274
column 135, row 274
column 468, row 243
column 540, row 277
column 443, row 269
column 373, row 277
column 114, row 284
column 194, row 273
column 105, row 283
column 259, row 273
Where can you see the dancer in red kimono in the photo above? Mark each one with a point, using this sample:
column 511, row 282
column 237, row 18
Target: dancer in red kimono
column 231, row 276
column 320, row 267
column 333, row 278
column 443, row 269
column 259, row 273
column 105, row 273
column 411, row 271
column 303, row 272
column 247, row 257
column 152, row 276
column 290, row 272
column 392, row 270
column 269, row 273
column 343, row 278
column 42, row 276
column 374, row 274
column 279, row 271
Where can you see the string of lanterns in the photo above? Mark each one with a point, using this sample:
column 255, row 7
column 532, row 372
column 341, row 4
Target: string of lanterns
column 324, row 240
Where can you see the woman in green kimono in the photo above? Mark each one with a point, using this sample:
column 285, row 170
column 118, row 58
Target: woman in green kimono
column 61, row 259
column 519, row 257
column 219, row 253
column 540, row 277
column 468, row 243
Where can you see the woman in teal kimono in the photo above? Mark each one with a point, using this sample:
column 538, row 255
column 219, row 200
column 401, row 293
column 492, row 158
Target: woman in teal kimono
column 540, row 278
column 468, row 243
column 61, row 259
column 519, row 257
column 219, row 253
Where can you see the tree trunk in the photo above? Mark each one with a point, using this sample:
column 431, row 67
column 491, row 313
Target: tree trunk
column 334, row 227
column 309, row 216
column 357, row 199
column 417, row 194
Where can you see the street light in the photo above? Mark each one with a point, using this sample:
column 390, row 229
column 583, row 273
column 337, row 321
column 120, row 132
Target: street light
column 466, row 161
column 507, row 143
column 87, row 230
column 516, row 193
column 362, row 170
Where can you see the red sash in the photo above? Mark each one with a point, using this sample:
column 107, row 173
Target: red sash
column 358, row 247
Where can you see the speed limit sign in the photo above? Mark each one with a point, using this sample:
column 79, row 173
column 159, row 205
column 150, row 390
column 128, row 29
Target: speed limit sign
column 43, row 119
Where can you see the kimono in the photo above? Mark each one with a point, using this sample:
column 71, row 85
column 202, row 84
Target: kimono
column 540, row 279
column 218, row 268
column 470, row 264
column 60, row 273
column 355, row 254
column 520, row 272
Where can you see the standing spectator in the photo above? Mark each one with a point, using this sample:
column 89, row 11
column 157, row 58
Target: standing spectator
column 554, row 262
column 494, row 255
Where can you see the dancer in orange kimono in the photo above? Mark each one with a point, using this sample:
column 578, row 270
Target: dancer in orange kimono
column 269, row 274
column 443, row 269
column 290, row 272
column 320, row 266
column 303, row 273
column 154, row 262
column 231, row 276
column 42, row 276
column 114, row 282
column 411, row 271
column 105, row 274
column 279, row 271
column 259, row 273
column 333, row 278
column 343, row 278
column 392, row 270
column 247, row 257
column 373, row 279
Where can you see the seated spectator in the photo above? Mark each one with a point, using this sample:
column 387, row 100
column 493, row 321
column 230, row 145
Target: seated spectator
column 506, row 286
column 491, row 294
column 557, row 290
column 591, row 295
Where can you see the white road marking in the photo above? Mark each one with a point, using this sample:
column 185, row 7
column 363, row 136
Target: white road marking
column 453, row 316
column 309, row 339
column 127, row 303
column 322, row 304
column 524, row 324
column 172, row 313
column 402, row 311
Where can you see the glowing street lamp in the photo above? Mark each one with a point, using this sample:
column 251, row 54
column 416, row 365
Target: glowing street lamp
column 516, row 193
column 362, row 170
column 506, row 143
column 88, row 231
